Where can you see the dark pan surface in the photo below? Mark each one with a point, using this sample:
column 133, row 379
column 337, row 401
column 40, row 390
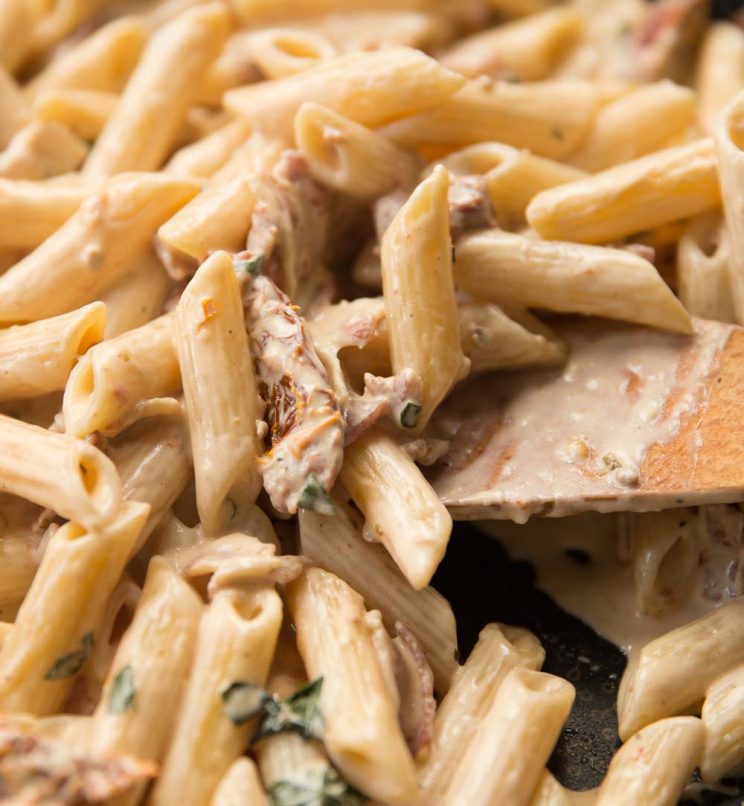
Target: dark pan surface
column 484, row 585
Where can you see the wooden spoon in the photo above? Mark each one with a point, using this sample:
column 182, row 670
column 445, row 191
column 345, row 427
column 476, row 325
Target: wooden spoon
column 637, row 420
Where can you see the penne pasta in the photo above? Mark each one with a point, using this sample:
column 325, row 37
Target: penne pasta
column 36, row 359
column 419, row 295
column 143, row 128
column 213, row 346
column 348, row 157
column 337, row 546
column 234, row 647
column 703, row 256
column 40, row 150
column 549, row 118
column 241, row 784
column 499, row 266
column 513, row 177
column 202, row 159
column 729, row 146
column 528, row 49
column 637, row 123
column 368, row 88
column 656, row 189
column 84, row 112
column 509, row 750
column 58, row 471
column 90, row 251
column 101, row 62
column 400, row 508
column 14, row 112
column 361, row 730
column 671, row 674
column 144, row 361
column 498, row 651
column 56, row 626
column 654, row 765
column 32, row 211
column 723, row 750
column 281, row 52
column 720, row 71
column 142, row 693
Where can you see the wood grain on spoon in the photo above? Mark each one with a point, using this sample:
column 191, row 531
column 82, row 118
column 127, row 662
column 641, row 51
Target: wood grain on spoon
column 638, row 420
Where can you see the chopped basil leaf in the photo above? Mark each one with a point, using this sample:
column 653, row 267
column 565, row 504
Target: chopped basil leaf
column 323, row 788
column 242, row 701
column 315, row 497
column 299, row 713
column 72, row 663
column 611, row 461
column 123, row 693
column 252, row 266
column 409, row 415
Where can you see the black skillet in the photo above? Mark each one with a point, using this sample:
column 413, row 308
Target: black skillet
column 483, row 585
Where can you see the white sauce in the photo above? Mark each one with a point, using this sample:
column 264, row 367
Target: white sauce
column 558, row 442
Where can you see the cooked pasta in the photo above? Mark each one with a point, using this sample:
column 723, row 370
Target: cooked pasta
column 257, row 258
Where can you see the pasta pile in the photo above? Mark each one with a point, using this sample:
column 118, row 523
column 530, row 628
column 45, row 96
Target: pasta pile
column 247, row 249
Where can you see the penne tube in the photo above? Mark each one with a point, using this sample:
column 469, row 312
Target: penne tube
column 513, row 176
column 59, row 21
column 657, row 189
column 703, row 256
column 143, row 129
column 528, row 49
column 671, row 674
column 32, row 211
column 58, row 471
column 519, row 8
column 14, row 112
column 92, row 249
column 138, row 297
column 511, row 746
column 241, row 784
column 368, row 88
column 361, row 731
column 503, row 267
column 638, row 122
column 154, row 462
column 723, row 752
column 337, row 545
column 40, row 150
column 37, row 359
column 349, row 157
column 143, row 361
column 219, row 387
column 654, row 765
column 463, row 709
column 84, row 112
column 235, row 645
column 102, row 61
column 282, row 52
column 419, row 295
column 400, row 508
column 549, row 118
column 202, row 159
column 56, row 626
column 665, row 557
column 142, row 693
column 720, row 71
column 729, row 140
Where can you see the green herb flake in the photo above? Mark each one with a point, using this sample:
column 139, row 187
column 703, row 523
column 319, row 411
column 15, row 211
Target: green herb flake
column 72, row 663
column 242, row 701
column 558, row 134
column 315, row 497
column 299, row 713
column 123, row 694
column 409, row 414
column 611, row 461
column 323, row 788
column 252, row 266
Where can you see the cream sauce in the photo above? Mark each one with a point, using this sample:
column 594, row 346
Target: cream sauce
column 564, row 441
